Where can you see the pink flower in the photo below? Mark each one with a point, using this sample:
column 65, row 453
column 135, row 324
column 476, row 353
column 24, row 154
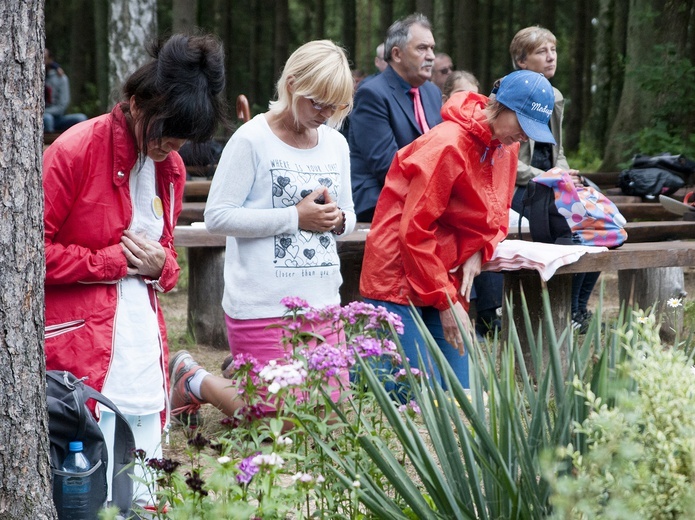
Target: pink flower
column 329, row 359
column 294, row 303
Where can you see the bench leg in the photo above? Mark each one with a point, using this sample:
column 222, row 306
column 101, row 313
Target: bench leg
column 559, row 292
column 205, row 289
column 645, row 288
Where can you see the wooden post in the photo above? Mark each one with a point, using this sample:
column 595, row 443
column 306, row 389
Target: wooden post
column 560, row 293
column 205, row 289
column 645, row 288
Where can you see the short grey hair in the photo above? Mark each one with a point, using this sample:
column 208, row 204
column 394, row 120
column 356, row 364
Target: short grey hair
column 398, row 33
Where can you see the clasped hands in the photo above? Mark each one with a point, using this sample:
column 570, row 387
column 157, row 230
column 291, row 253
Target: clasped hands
column 318, row 212
column 145, row 257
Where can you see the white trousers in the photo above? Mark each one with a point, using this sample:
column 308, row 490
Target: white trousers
column 147, row 430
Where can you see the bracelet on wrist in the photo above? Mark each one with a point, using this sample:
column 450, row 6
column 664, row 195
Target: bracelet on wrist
column 342, row 227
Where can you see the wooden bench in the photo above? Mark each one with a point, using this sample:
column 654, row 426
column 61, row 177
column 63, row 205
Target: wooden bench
column 206, row 261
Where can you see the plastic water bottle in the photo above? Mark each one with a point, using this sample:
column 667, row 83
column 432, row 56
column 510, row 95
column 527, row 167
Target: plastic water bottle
column 76, row 486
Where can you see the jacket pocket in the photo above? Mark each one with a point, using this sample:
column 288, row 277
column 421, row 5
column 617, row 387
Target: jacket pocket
column 58, row 329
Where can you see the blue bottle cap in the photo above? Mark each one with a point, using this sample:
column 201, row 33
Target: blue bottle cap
column 75, row 446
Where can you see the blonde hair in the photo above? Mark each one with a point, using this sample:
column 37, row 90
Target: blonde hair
column 493, row 109
column 528, row 40
column 453, row 78
column 318, row 70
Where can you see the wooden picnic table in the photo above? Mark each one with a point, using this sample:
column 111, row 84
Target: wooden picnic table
column 206, row 262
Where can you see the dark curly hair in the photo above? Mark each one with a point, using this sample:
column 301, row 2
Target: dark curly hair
column 178, row 94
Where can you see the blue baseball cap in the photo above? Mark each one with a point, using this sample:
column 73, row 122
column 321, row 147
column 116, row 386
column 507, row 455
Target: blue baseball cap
column 531, row 96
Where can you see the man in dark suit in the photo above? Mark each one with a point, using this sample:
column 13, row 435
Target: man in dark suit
column 388, row 110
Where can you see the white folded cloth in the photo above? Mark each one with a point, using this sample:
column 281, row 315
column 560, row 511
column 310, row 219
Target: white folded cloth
column 545, row 258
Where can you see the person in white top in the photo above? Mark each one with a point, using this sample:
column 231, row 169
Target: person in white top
column 281, row 194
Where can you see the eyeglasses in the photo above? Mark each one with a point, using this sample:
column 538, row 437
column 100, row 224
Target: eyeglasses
column 332, row 108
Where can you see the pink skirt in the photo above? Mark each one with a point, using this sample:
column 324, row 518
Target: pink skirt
column 264, row 342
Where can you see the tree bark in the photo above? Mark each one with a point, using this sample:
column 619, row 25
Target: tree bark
column 101, row 50
column 652, row 288
column 578, row 82
column 467, row 17
column 349, row 31
column 652, row 25
column 425, row 7
column 25, row 478
column 184, row 15
column 132, row 24
column 385, row 18
column 282, row 36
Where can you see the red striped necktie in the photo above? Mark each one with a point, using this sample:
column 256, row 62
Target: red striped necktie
column 419, row 110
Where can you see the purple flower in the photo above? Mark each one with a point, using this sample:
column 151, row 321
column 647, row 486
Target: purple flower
column 294, row 303
column 329, row 359
column 367, row 347
column 411, row 408
column 402, row 374
column 247, row 469
column 246, row 362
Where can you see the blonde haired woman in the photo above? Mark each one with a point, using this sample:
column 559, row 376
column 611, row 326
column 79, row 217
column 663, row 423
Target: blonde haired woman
column 281, row 194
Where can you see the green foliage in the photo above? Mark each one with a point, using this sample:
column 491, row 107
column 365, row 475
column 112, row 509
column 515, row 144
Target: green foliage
column 265, row 463
column 640, row 456
column 586, row 159
column 671, row 78
column 604, row 428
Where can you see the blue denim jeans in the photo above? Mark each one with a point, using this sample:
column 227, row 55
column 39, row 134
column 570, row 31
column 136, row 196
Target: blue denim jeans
column 582, row 285
column 55, row 123
column 413, row 342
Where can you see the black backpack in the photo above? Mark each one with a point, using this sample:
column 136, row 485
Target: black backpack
column 678, row 164
column 546, row 223
column 652, row 175
column 69, row 419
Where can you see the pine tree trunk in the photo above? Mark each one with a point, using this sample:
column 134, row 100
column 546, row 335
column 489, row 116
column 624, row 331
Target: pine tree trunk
column 25, row 480
column 282, row 36
column 184, row 15
column 467, row 30
column 646, row 288
column 349, row 27
column 132, row 24
column 652, row 24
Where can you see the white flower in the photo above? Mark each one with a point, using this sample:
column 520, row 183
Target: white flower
column 302, row 477
column 282, row 376
column 642, row 320
column 674, row 302
column 268, row 460
column 286, row 441
column 356, row 484
column 320, row 479
column 224, row 460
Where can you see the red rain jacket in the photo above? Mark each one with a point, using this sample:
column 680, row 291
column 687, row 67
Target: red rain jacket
column 87, row 206
column 447, row 195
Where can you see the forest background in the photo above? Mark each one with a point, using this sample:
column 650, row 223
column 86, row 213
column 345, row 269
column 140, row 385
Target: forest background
column 625, row 67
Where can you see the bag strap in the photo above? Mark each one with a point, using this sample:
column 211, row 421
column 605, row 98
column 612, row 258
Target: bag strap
column 75, row 391
column 124, row 441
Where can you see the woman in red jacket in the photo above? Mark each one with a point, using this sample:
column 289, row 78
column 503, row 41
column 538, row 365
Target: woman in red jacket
column 445, row 207
column 113, row 188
